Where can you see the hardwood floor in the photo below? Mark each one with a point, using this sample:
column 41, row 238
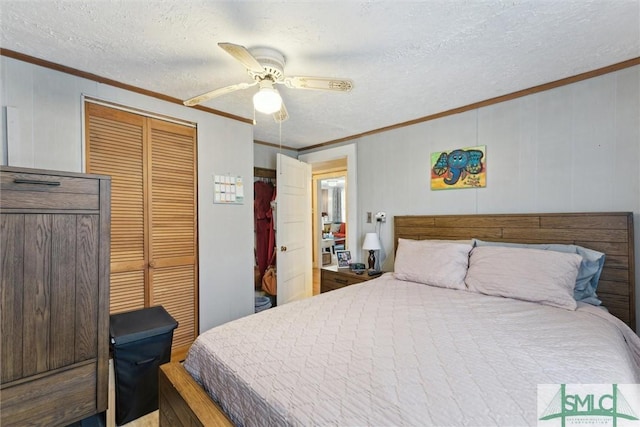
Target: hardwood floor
column 150, row 420
column 316, row 281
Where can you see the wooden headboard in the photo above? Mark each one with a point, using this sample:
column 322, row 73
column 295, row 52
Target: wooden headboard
column 608, row 232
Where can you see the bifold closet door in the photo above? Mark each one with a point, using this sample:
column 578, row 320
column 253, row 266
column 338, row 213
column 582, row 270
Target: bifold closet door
column 172, row 227
column 154, row 216
column 115, row 147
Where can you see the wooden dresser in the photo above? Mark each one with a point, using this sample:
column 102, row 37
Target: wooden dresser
column 332, row 278
column 54, row 249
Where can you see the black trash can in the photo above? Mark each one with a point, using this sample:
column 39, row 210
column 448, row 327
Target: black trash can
column 140, row 343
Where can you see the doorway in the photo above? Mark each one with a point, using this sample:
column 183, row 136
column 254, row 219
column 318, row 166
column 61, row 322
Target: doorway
column 333, row 212
column 342, row 158
column 329, row 196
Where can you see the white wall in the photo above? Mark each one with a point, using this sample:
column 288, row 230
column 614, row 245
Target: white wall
column 571, row 149
column 45, row 131
column 264, row 156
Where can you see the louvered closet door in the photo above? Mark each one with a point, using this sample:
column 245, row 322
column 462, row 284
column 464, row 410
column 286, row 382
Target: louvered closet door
column 172, row 244
column 115, row 148
column 154, row 216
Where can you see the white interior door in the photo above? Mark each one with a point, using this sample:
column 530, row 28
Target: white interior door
column 293, row 229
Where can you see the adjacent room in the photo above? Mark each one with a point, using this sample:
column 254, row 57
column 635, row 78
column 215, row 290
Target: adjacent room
column 319, row 213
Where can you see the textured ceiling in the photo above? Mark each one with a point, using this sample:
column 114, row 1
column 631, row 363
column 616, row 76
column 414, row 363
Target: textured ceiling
column 407, row 59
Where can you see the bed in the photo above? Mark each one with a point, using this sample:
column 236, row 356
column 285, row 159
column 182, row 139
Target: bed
column 396, row 351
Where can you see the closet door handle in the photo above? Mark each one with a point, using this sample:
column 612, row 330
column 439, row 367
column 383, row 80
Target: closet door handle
column 152, row 264
column 35, row 181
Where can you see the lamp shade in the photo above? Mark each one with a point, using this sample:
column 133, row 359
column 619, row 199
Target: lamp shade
column 267, row 100
column 371, row 242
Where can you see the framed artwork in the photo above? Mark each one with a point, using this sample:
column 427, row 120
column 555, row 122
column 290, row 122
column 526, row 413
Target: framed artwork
column 459, row 168
column 344, row 258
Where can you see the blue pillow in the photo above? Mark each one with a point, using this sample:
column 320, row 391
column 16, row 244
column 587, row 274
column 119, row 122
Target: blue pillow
column 590, row 267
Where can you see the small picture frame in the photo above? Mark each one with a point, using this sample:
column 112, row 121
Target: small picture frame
column 357, row 267
column 344, row 258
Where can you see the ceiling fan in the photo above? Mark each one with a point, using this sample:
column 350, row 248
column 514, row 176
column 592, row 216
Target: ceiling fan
column 266, row 67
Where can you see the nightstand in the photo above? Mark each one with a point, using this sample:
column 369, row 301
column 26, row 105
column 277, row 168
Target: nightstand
column 332, row 278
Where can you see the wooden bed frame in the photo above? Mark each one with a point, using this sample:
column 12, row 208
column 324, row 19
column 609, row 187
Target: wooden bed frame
column 184, row 403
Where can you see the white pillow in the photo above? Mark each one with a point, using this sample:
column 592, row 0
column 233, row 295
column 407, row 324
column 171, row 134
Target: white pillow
column 545, row 277
column 432, row 262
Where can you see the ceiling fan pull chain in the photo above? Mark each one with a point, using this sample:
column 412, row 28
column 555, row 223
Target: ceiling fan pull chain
column 280, row 131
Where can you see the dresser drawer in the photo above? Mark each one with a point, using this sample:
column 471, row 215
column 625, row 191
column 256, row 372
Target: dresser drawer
column 34, row 191
column 331, row 280
column 63, row 395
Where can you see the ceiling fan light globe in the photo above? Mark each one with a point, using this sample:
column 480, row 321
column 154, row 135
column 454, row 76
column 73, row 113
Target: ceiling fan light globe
column 267, row 100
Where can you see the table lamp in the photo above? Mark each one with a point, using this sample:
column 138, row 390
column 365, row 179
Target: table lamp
column 371, row 244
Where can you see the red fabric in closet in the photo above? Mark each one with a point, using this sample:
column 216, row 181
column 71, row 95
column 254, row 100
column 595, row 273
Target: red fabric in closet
column 263, row 192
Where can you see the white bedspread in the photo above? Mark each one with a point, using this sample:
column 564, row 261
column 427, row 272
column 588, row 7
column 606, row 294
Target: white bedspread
column 389, row 352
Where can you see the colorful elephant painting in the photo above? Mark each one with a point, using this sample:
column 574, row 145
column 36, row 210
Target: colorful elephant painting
column 460, row 168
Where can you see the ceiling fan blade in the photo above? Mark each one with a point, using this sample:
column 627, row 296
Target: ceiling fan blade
column 282, row 115
column 217, row 92
column 318, row 83
column 243, row 55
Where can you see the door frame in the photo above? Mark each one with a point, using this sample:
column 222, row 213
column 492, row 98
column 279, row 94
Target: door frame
column 348, row 151
column 149, row 265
